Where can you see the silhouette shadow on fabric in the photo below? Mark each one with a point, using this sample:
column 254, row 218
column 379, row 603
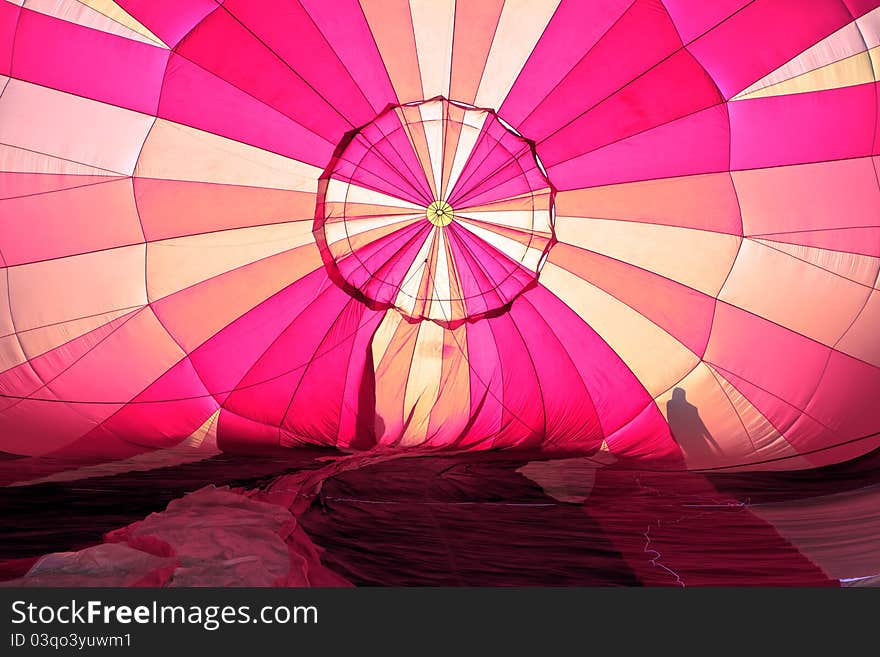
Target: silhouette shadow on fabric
column 688, row 428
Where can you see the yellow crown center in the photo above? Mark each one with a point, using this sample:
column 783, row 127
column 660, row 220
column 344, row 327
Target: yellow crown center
column 439, row 213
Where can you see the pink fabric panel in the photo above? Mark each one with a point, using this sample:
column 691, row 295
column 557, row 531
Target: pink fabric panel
column 9, row 14
column 226, row 358
column 876, row 149
column 37, row 427
column 388, row 135
column 491, row 269
column 617, row 395
column 170, row 20
column 569, row 418
column 780, row 361
column 357, row 418
column 771, row 131
column 486, row 386
column 344, row 26
column 813, row 197
column 168, row 411
column 573, row 31
column 225, row 48
column 640, row 106
column 290, row 31
column 646, row 436
column 821, row 444
column 197, row 98
column 522, row 413
column 122, row 352
column 367, row 165
column 492, row 150
column 46, row 226
column 319, row 408
column 610, row 65
column 762, row 37
column 693, row 18
column 517, row 179
column 268, row 390
column 76, row 372
column 29, row 378
column 240, row 434
column 476, row 286
column 379, row 268
column 694, row 144
column 88, row 63
column 683, row 312
column 798, row 429
column 860, row 7
column 14, row 184
column 851, row 384
column 505, row 181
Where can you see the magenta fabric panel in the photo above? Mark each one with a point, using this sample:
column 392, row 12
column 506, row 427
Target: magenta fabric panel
column 748, row 345
column 693, row 18
column 31, row 378
column 240, row 434
column 390, row 138
column 379, row 269
column 698, row 143
column 224, row 360
column 854, row 383
column 781, row 27
column 876, row 150
column 170, row 20
column 479, row 294
column 495, row 147
column 859, row 8
column 267, row 390
column 9, row 15
column 644, row 104
column 290, row 32
column 786, row 418
column 225, row 47
column 574, row 30
column 498, row 273
column 647, row 436
column 487, row 386
column 88, row 63
column 318, row 409
column 606, row 68
column 569, row 421
column 365, row 165
column 283, row 380
column 769, row 132
column 518, row 178
column 523, row 411
column 193, row 96
column 174, row 405
column 343, row 25
column 616, row 394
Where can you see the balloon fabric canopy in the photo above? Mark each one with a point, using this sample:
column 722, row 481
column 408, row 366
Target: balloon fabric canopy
column 643, row 227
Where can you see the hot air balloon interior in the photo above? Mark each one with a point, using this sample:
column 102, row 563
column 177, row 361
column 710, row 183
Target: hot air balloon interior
column 440, row 292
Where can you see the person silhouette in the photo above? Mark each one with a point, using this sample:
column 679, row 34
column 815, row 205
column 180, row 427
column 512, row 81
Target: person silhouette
column 688, row 428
